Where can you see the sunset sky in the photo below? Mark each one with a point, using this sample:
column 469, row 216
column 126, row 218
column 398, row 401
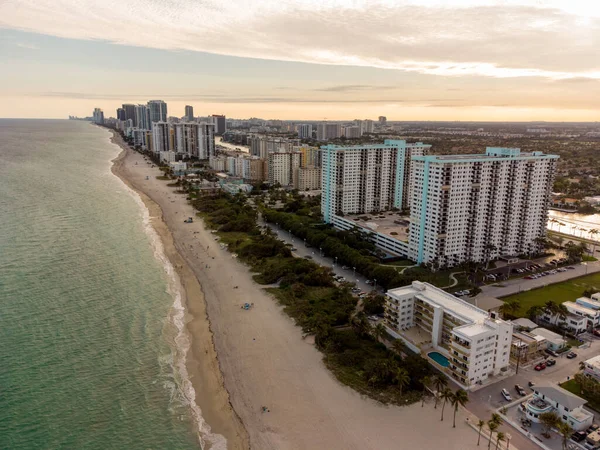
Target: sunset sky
column 405, row 59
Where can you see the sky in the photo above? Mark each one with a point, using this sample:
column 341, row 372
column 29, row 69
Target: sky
column 488, row 60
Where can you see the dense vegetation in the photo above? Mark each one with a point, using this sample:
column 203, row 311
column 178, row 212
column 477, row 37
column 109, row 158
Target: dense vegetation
column 353, row 349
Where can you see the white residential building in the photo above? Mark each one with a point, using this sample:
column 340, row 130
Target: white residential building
column 168, row 157
column 308, row 178
column 161, row 137
column 591, row 368
column 366, row 178
column 554, row 341
column 305, row 131
column 282, row 167
column 572, row 322
column 262, row 146
column 473, row 343
column 326, row 131
column 475, row 207
column 568, row 407
column 195, row 139
column 352, row 132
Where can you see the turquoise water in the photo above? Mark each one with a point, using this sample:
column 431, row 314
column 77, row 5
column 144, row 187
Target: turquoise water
column 91, row 347
column 439, row 358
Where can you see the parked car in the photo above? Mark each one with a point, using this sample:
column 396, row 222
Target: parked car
column 530, row 277
column 571, row 268
column 531, row 384
column 596, row 332
column 571, row 355
column 579, row 436
column 369, row 282
column 345, row 267
column 550, row 362
column 506, row 395
column 308, row 257
column 540, row 366
column 552, row 353
column 520, row 390
column 293, row 249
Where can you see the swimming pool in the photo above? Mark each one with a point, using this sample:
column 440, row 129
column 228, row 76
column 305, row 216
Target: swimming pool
column 439, row 358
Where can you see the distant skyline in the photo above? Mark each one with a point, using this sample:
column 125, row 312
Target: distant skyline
column 511, row 60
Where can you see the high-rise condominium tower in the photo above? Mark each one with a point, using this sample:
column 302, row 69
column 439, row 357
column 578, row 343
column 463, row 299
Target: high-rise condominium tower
column 189, row 113
column 479, row 207
column 158, row 111
column 366, row 178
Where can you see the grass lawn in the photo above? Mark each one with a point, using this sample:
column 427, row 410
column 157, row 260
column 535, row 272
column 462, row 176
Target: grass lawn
column 400, row 263
column 575, row 388
column 558, row 293
column 589, row 258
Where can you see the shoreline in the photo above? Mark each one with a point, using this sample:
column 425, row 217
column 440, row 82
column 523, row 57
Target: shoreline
column 262, row 360
column 210, row 393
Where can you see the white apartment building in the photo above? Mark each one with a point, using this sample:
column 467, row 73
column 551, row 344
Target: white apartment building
column 591, row 368
column 195, row 139
column 217, row 163
column 262, row 146
column 567, row 406
column 366, row 178
column 168, row 157
column 475, row 207
column 282, row 167
column 308, row 178
column 305, row 131
column 161, row 137
column 474, row 343
column 352, row 132
column 326, row 131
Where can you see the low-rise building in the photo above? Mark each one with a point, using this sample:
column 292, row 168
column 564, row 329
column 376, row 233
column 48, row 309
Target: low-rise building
column 526, row 347
column 178, row 166
column 472, row 343
column 574, row 323
column 554, row 341
column 591, row 368
column 568, row 407
column 168, row 157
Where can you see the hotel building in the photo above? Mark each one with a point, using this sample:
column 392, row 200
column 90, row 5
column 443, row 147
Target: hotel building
column 195, row 139
column 474, row 344
column 366, row 178
column 479, row 207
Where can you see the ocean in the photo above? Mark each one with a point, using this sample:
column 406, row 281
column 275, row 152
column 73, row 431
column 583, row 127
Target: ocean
column 92, row 347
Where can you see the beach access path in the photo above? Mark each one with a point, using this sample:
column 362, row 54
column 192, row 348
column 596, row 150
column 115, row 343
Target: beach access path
column 265, row 362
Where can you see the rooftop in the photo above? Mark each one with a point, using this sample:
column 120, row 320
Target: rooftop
column 580, row 308
column 560, row 395
column 527, row 338
column 594, row 362
column 473, row 329
column 389, row 223
column 449, row 302
column 550, row 335
column 524, row 323
column 491, row 154
column 593, row 303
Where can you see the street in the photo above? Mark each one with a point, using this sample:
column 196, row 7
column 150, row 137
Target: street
column 486, row 400
column 317, row 256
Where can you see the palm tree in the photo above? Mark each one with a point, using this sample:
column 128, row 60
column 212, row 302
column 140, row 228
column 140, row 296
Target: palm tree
column 399, row 346
column 499, row 438
column 509, row 307
column 440, row 382
column 460, row 398
column 489, row 248
column 535, row 311
column 379, row 331
column 480, row 425
column 566, row 432
column 402, row 378
column 493, row 426
column 497, row 419
column 446, row 395
column 424, row 381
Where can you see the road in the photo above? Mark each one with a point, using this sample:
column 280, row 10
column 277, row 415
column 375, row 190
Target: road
column 318, row 256
column 517, row 285
column 484, row 401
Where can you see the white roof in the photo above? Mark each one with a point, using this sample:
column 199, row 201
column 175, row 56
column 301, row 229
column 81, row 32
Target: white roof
column 549, row 335
column 524, row 323
column 594, row 362
column 449, row 302
column 582, row 309
column 472, row 329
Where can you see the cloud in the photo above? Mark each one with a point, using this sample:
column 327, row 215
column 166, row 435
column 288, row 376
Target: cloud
column 353, row 88
column 457, row 38
column 27, row 45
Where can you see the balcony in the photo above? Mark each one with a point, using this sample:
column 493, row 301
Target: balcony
column 538, row 406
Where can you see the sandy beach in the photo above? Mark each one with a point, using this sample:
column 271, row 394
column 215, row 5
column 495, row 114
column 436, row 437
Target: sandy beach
column 241, row 360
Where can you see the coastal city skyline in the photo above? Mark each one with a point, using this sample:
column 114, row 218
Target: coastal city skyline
column 250, row 59
column 324, row 224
